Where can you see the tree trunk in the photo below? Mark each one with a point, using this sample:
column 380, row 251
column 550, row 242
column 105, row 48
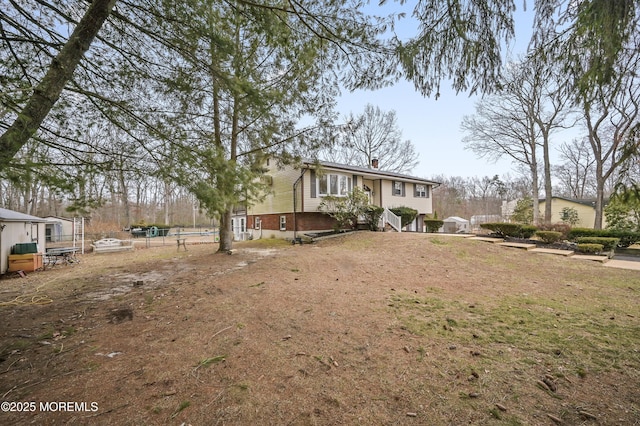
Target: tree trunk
column 534, row 193
column 600, row 181
column 226, row 233
column 124, row 191
column 547, row 180
column 167, row 201
column 47, row 92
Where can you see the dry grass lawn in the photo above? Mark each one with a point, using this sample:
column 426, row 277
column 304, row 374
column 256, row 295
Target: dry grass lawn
column 367, row 328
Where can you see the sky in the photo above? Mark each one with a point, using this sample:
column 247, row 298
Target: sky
column 433, row 126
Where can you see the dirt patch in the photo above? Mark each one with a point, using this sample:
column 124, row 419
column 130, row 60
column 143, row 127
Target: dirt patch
column 369, row 328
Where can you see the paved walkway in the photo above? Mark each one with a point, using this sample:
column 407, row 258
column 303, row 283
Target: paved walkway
column 624, row 264
column 553, row 251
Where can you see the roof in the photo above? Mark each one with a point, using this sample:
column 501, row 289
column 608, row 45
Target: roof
column 590, row 202
column 367, row 172
column 7, row 215
column 53, row 219
column 455, row 219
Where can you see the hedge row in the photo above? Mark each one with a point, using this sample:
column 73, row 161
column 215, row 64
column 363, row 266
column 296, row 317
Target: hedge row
column 514, row 230
column 590, row 248
column 626, row 238
column 607, row 243
column 549, row 237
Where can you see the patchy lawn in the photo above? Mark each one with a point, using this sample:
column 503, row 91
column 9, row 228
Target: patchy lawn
column 368, row 328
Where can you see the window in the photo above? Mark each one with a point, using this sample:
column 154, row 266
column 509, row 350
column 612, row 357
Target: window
column 334, row 184
column 283, row 223
column 398, row 189
column 256, row 224
column 421, row 191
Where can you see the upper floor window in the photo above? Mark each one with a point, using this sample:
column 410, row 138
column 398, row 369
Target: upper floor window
column 421, row 191
column 398, row 188
column 334, row 184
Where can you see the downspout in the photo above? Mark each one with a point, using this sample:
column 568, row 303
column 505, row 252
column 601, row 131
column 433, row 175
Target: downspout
column 295, row 204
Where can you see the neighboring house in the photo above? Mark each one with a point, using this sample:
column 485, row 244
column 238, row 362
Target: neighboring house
column 19, row 228
column 586, row 211
column 59, row 229
column 296, row 194
column 455, row 225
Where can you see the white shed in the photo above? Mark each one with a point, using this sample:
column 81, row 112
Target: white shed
column 455, row 225
column 19, row 228
column 59, row 229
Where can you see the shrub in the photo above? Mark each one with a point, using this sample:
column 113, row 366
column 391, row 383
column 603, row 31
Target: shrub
column 576, row 233
column 589, row 248
column 563, row 228
column 502, row 229
column 433, row 225
column 510, row 229
column 569, row 216
column 607, row 243
column 526, row 231
column 549, row 237
column 523, row 211
column 372, row 216
column 345, row 210
column 407, row 214
column 626, row 238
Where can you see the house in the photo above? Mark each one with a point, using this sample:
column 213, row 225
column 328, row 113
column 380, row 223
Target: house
column 58, row 229
column 239, row 222
column 292, row 206
column 19, row 228
column 586, row 209
column 455, row 225
column 507, row 209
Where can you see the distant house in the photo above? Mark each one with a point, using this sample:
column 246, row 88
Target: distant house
column 507, row 208
column 19, row 228
column 455, row 225
column 586, row 209
column 292, row 206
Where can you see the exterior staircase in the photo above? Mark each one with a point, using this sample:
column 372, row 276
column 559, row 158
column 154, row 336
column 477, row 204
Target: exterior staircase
column 391, row 219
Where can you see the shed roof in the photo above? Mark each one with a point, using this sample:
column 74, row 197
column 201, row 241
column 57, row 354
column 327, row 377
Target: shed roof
column 7, row 215
column 456, row 219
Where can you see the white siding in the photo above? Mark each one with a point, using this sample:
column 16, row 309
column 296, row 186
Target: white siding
column 19, row 232
column 423, row 205
column 280, row 200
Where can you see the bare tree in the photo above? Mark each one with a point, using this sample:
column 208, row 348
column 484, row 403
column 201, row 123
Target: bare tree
column 464, row 197
column 374, row 134
column 611, row 115
column 576, row 173
column 518, row 122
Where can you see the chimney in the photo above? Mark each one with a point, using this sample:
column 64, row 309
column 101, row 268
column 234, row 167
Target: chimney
column 374, row 163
